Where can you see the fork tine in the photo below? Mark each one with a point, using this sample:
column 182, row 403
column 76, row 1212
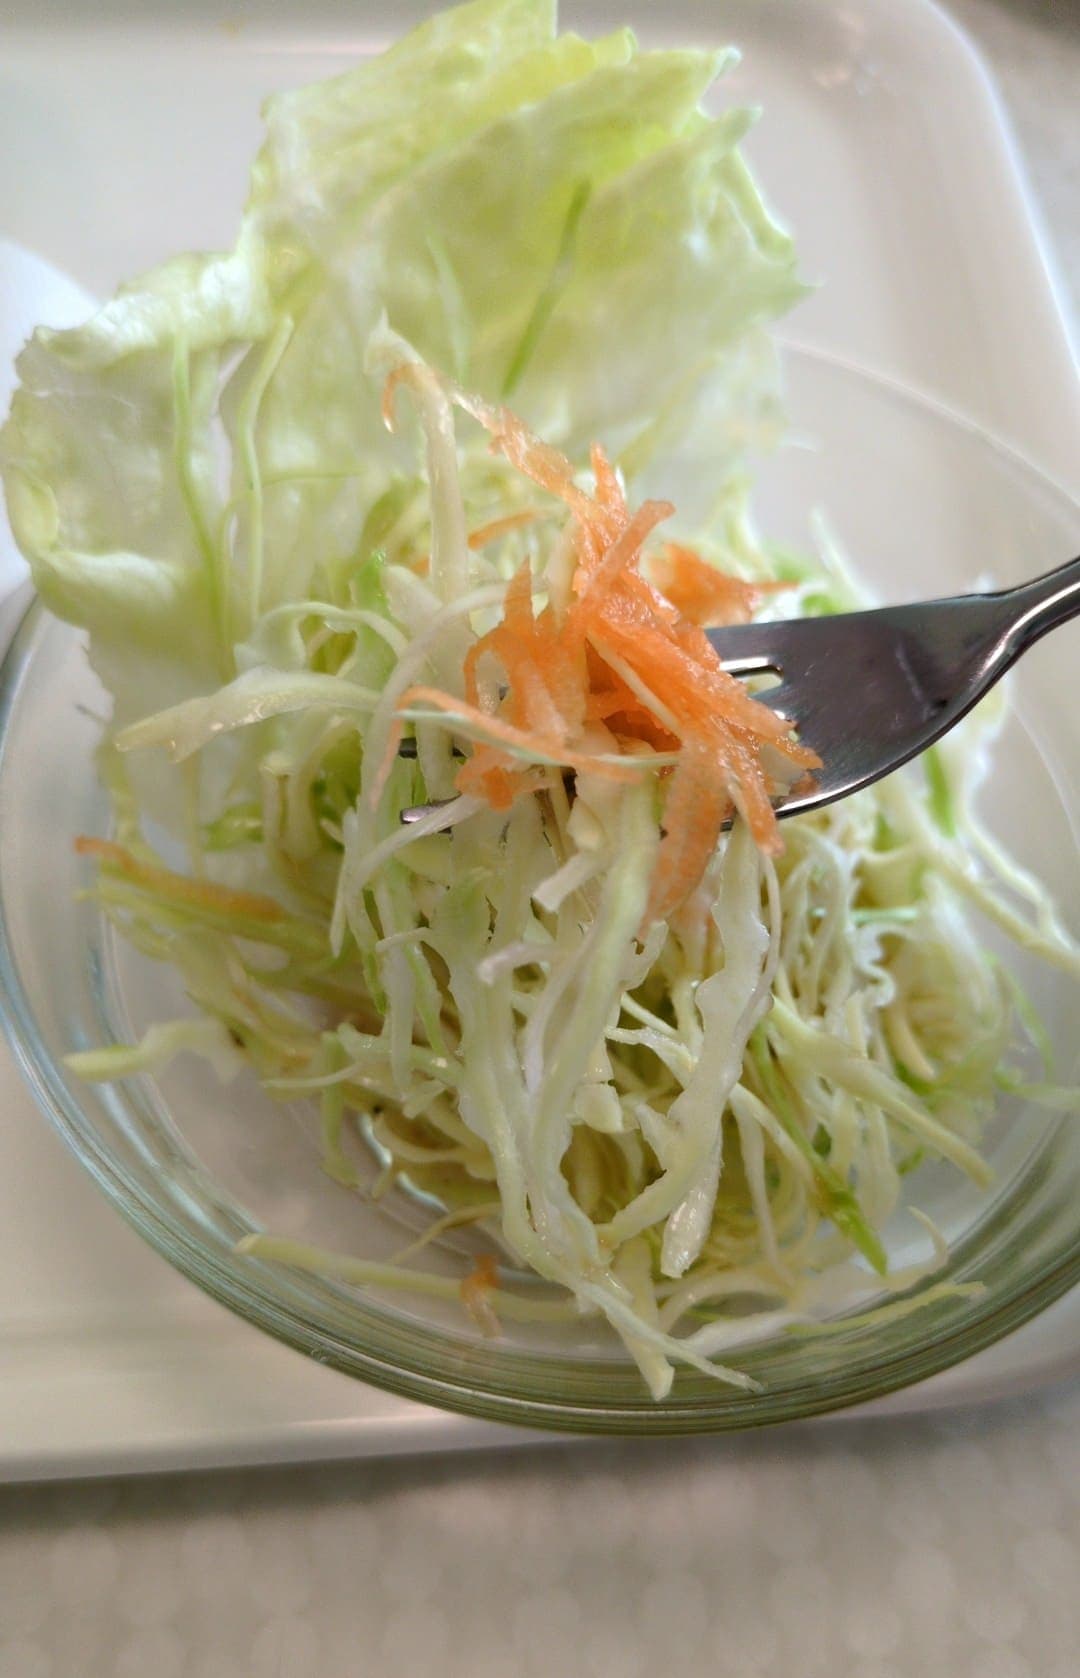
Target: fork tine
column 747, row 649
column 869, row 690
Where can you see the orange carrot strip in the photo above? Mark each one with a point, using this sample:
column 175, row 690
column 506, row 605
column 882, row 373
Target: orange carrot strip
column 625, row 548
column 204, row 893
column 413, row 373
column 556, row 750
column 693, row 691
column 695, row 809
column 476, row 1290
column 491, row 532
column 546, row 466
column 628, row 657
column 703, row 594
column 608, row 489
column 488, row 775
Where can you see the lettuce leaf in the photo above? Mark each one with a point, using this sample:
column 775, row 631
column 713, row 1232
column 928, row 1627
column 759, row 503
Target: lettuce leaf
column 527, row 208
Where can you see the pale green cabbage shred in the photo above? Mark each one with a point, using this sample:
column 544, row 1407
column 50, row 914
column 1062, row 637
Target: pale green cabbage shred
column 700, row 1135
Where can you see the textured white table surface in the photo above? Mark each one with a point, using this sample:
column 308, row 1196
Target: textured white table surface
column 936, row 1547
column 942, row 1548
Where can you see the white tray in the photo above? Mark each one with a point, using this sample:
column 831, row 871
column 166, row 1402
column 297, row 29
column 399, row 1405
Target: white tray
column 883, row 140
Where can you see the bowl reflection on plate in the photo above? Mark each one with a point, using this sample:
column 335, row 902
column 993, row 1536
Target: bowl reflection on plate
column 929, row 505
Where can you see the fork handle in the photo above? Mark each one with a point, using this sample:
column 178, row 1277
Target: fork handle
column 1043, row 604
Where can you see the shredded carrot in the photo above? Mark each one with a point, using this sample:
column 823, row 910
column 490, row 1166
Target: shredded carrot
column 476, row 1291
column 624, row 550
column 491, row 532
column 524, row 740
column 697, row 805
column 486, row 775
column 701, row 593
column 546, row 466
column 204, row 893
column 625, row 665
column 409, row 373
column 608, row 488
column 692, row 682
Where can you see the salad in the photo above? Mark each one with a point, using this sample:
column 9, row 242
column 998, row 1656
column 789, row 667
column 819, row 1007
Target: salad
column 382, row 509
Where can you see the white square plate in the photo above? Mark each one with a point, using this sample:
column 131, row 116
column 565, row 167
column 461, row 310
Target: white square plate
column 883, row 143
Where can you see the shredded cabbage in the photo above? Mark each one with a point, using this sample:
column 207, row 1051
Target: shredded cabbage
column 696, row 1130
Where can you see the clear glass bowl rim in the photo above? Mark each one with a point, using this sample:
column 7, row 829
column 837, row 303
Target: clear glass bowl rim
column 537, row 1390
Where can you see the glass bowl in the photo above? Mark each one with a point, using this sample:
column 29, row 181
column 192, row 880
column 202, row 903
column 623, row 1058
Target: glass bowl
column 929, row 505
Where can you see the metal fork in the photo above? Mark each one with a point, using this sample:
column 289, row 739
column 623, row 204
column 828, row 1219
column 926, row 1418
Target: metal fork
column 869, row 690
